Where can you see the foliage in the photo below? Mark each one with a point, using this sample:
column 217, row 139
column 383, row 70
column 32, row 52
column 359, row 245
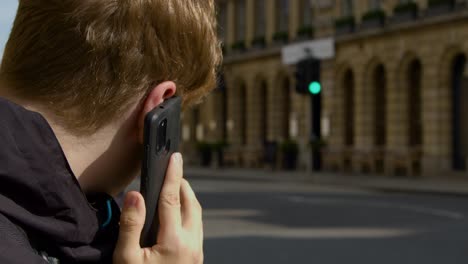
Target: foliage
column 406, row 7
column 289, row 147
column 281, row 36
column 317, row 144
column 204, row 147
column 239, row 45
column 306, row 31
column 258, row 41
column 219, row 146
column 440, row 2
column 374, row 14
column 345, row 21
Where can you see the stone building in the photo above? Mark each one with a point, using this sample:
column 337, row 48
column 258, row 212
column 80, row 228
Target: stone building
column 393, row 94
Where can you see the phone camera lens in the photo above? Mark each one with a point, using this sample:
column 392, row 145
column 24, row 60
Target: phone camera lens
column 161, row 136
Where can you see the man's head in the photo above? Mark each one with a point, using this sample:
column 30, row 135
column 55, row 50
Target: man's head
column 87, row 61
column 94, row 68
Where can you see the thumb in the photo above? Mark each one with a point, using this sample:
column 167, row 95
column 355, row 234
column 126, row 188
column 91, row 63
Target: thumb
column 132, row 220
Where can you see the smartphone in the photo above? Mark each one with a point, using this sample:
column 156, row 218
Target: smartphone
column 161, row 140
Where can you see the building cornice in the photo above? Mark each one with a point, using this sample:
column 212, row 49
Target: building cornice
column 454, row 16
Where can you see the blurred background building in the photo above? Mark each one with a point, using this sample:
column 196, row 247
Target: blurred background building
column 393, row 88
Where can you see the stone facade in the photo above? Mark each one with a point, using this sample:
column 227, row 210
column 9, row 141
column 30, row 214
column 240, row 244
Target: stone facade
column 392, row 102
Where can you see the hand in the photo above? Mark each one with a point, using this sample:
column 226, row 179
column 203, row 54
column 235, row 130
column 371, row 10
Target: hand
column 180, row 237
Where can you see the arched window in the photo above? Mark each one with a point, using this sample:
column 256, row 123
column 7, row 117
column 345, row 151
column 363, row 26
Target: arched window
column 380, row 105
column 285, row 107
column 348, row 98
column 414, row 103
column 459, row 113
column 243, row 113
column 264, row 111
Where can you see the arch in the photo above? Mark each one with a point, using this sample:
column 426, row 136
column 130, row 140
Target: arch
column 459, row 90
column 261, row 107
column 409, row 98
column 195, row 124
column 221, row 103
column 374, row 101
column 379, row 87
column 239, row 111
column 450, row 90
column 348, row 87
column 414, row 102
column 282, row 103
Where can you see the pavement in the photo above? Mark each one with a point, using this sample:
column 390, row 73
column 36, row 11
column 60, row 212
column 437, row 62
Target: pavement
column 439, row 186
column 261, row 218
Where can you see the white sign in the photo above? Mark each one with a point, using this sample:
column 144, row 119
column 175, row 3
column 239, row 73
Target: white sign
column 319, row 49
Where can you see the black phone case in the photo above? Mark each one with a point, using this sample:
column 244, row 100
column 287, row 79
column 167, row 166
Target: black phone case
column 154, row 164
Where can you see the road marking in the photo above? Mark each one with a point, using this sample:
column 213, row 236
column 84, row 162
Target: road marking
column 413, row 208
column 221, row 223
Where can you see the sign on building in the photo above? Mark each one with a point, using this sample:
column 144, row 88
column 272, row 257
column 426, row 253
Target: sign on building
column 319, row 49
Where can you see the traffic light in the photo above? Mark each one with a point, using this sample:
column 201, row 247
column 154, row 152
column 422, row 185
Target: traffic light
column 308, row 77
column 308, row 82
column 315, row 87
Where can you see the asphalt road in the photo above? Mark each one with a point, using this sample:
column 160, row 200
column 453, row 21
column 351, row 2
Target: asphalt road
column 249, row 221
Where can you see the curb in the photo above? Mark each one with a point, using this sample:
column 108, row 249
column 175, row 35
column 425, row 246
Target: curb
column 443, row 188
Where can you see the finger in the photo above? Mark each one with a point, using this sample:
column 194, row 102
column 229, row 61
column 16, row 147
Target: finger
column 169, row 199
column 191, row 208
column 132, row 220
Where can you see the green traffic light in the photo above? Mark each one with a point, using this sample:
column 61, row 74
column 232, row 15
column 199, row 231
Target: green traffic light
column 315, row 87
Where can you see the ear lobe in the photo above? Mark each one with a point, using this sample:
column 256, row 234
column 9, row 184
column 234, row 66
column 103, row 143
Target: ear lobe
column 157, row 96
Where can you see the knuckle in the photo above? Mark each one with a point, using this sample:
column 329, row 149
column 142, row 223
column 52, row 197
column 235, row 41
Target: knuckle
column 129, row 223
column 170, row 199
column 176, row 248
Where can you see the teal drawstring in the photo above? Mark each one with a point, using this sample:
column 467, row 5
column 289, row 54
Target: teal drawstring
column 109, row 214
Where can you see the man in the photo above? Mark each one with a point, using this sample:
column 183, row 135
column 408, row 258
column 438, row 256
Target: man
column 76, row 80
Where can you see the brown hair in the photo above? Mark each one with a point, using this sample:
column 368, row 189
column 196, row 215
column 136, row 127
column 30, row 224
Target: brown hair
column 87, row 60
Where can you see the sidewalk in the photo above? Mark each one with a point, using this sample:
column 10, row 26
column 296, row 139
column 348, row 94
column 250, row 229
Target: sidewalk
column 377, row 182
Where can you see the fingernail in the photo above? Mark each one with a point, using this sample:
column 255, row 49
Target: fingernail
column 131, row 201
column 178, row 157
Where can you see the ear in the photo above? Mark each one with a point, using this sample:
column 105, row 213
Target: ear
column 157, row 95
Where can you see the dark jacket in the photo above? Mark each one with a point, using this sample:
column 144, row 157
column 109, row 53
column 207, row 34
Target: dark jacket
column 44, row 215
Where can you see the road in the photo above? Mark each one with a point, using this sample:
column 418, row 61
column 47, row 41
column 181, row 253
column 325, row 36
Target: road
column 272, row 221
column 261, row 221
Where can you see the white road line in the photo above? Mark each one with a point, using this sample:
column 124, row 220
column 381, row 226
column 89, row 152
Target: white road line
column 222, row 223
